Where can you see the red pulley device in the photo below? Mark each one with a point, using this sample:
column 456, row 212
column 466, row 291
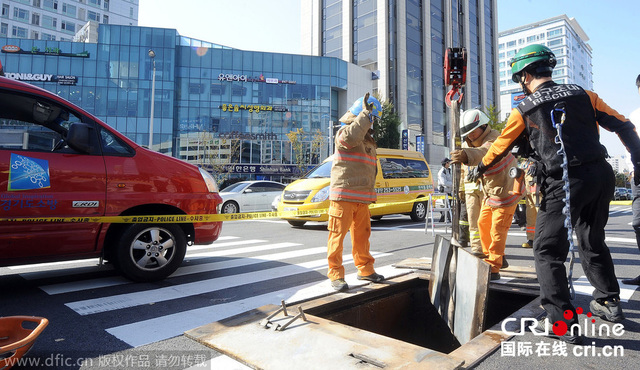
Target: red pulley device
column 455, row 66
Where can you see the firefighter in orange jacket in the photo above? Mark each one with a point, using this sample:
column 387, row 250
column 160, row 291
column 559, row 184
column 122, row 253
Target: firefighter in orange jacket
column 499, row 205
column 352, row 189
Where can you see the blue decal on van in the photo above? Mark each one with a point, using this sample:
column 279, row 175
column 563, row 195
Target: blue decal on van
column 28, row 173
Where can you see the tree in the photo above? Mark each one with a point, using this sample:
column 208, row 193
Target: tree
column 386, row 132
column 494, row 118
column 305, row 156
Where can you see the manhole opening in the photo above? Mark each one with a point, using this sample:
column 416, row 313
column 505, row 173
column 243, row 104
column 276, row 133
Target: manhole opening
column 403, row 311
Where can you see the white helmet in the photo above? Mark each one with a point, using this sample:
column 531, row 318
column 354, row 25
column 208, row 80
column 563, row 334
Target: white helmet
column 470, row 120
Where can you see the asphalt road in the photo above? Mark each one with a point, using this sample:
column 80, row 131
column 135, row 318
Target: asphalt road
column 100, row 320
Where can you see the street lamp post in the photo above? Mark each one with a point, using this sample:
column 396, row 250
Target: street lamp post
column 152, row 55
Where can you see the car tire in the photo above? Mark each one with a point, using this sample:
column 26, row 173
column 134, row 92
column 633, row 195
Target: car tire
column 296, row 223
column 419, row 211
column 230, row 207
column 141, row 246
column 376, row 218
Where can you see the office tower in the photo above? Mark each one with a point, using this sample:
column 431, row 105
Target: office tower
column 59, row 20
column 567, row 40
column 403, row 43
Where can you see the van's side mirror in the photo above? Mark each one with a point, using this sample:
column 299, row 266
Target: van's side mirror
column 79, row 137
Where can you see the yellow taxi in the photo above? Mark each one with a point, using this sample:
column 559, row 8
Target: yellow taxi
column 402, row 177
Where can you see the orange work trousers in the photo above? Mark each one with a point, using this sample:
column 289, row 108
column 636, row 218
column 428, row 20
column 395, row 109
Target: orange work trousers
column 353, row 217
column 494, row 224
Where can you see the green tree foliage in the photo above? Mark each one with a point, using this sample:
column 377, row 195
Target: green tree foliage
column 494, row 117
column 305, row 153
column 386, row 131
column 622, row 180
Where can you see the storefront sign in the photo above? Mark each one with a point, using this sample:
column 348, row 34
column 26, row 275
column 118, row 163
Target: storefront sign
column 47, row 51
column 251, row 108
column 262, row 169
column 247, row 136
column 244, row 78
column 44, row 77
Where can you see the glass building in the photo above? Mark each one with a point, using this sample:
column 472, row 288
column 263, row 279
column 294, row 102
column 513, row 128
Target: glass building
column 231, row 109
column 561, row 34
column 403, row 43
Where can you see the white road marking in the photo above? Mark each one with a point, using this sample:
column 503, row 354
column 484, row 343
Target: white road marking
column 120, row 301
column 160, row 328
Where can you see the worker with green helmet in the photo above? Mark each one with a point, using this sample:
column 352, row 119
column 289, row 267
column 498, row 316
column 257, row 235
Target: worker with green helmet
column 559, row 123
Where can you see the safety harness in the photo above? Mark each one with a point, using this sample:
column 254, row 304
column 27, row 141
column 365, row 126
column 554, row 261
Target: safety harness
column 566, row 210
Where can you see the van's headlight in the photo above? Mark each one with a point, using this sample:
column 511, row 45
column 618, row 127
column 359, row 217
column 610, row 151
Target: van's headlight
column 321, row 195
column 209, row 180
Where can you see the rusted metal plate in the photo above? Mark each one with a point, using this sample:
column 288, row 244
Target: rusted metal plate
column 472, row 284
column 316, row 343
column 423, row 263
column 459, row 288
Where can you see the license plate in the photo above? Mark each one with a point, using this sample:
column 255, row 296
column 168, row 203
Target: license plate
column 286, row 209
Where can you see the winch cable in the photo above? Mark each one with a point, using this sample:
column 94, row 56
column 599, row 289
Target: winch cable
column 566, row 210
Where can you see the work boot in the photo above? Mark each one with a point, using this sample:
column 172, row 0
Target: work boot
column 340, row 285
column 544, row 326
column 527, row 244
column 376, row 278
column 609, row 310
column 634, row 281
column 505, row 264
column 495, row 276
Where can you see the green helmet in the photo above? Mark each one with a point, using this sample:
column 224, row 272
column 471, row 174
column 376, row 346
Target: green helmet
column 539, row 55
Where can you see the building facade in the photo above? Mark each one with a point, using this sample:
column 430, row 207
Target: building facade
column 567, row 40
column 59, row 20
column 403, row 43
column 212, row 106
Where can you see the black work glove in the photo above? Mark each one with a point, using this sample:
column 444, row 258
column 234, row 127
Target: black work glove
column 636, row 174
column 532, row 170
column 474, row 174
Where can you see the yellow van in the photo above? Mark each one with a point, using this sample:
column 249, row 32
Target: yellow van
column 402, row 176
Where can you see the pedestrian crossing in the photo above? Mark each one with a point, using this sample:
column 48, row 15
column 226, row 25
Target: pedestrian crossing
column 228, row 277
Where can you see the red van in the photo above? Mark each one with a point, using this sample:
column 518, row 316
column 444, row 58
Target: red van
column 57, row 160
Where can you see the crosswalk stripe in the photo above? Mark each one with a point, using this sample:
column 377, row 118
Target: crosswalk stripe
column 224, row 244
column 160, row 328
column 120, row 301
column 232, row 252
column 75, row 286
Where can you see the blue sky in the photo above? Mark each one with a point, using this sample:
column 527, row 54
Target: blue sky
column 274, row 25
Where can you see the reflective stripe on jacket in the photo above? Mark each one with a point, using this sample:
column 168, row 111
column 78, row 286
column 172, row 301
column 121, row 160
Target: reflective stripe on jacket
column 353, row 172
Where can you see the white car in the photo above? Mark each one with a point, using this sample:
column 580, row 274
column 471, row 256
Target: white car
column 250, row 196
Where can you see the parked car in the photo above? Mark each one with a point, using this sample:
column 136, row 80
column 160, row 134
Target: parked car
column 402, row 176
column 622, row 194
column 250, row 196
column 59, row 161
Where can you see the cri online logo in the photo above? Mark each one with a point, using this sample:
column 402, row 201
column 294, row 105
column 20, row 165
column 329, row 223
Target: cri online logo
column 560, row 328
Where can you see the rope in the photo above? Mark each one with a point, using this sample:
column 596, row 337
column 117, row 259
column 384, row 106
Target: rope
column 566, row 210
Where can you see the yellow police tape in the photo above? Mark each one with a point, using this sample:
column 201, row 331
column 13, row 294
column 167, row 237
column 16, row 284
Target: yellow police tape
column 196, row 218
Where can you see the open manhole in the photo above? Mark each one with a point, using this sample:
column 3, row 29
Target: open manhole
column 392, row 325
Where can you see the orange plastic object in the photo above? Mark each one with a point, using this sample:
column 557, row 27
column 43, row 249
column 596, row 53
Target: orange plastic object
column 15, row 339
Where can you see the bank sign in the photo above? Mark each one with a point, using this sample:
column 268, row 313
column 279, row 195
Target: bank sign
column 43, row 77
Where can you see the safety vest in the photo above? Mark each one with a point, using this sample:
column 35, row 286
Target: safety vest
column 579, row 130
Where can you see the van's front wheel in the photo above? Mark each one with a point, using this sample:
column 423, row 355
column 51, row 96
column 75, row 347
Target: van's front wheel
column 419, row 211
column 150, row 252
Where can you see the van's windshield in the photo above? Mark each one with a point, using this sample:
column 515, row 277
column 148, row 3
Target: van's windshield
column 323, row 170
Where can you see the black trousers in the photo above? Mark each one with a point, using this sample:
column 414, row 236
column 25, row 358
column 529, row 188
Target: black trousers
column 591, row 186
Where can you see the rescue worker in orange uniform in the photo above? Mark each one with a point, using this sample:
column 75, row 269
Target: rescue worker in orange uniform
column 352, row 189
column 498, row 205
column 560, row 123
